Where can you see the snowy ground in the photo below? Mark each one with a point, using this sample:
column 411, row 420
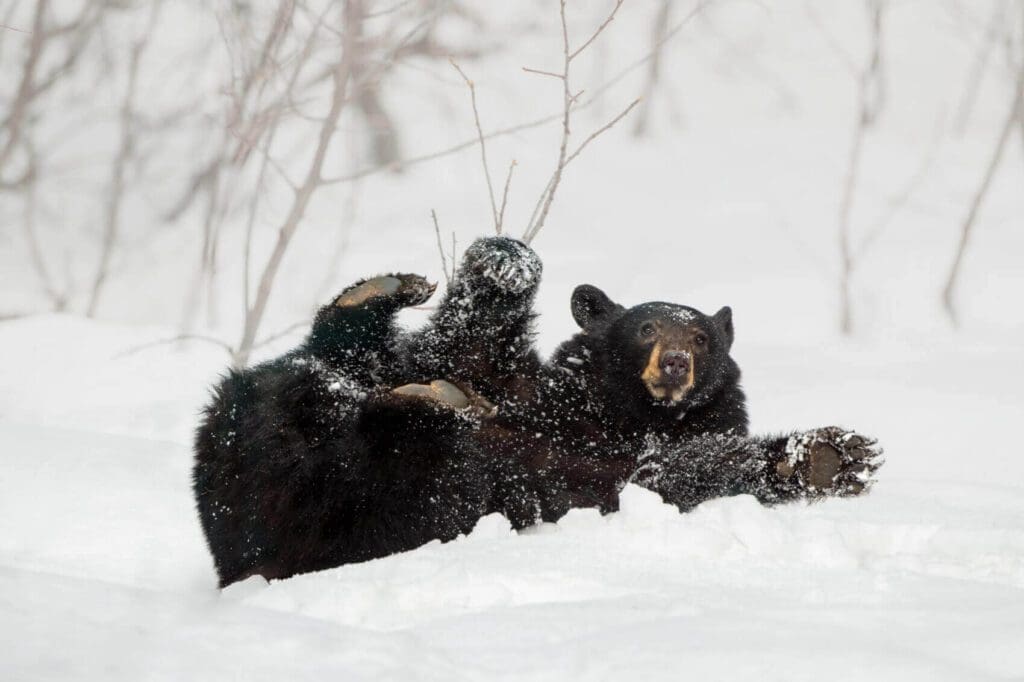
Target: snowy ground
column 105, row 573
column 104, row 570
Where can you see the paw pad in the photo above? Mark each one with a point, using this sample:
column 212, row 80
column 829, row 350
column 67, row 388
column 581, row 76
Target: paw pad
column 831, row 461
column 449, row 395
column 406, row 289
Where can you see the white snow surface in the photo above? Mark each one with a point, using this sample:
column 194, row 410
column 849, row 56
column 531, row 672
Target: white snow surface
column 105, row 573
column 103, row 569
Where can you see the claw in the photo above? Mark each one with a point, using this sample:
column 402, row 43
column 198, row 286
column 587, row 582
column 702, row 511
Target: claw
column 832, row 461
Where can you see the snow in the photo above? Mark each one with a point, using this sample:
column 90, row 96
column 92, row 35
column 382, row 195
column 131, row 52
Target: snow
column 103, row 569
column 105, row 573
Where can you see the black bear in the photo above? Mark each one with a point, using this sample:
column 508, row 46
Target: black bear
column 328, row 455
column 650, row 395
column 366, row 441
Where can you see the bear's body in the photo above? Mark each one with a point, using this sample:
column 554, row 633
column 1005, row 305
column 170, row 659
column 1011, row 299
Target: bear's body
column 316, row 459
column 312, row 460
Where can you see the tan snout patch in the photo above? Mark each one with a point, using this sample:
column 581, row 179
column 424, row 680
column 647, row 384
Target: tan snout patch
column 658, row 385
column 379, row 286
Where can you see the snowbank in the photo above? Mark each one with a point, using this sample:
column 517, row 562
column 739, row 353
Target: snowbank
column 105, row 573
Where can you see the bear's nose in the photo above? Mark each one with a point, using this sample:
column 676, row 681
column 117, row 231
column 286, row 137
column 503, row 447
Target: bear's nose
column 675, row 363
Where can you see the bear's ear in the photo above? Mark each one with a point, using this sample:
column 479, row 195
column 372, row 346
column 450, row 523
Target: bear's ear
column 723, row 318
column 590, row 303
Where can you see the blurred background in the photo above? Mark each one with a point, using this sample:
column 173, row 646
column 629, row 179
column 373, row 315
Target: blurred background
column 219, row 169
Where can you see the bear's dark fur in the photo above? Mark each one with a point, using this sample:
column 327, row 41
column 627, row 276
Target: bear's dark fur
column 311, row 460
column 650, row 395
column 341, row 450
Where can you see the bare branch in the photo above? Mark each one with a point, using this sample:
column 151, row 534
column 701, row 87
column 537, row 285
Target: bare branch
column 844, row 57
column 280, row 334
column 26, row 87
column 870, row 97
column 454, row 253
column 440, row 249
column 595, row 96
column 543, row 73
column 900, row 199
column 979, row 64
column 57, row 298
column 660, row 25
column 569, row 101
column 1016, row 108
column 504, row 197
column 132, row 350
column 341, row 75
column 604, row 128
column 125, row 152
column 269, row 161
column 600, row 29
column 483, row 146
column 502, row 132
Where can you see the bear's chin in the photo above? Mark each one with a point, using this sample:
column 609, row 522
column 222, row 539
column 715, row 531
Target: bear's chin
column 667, row 394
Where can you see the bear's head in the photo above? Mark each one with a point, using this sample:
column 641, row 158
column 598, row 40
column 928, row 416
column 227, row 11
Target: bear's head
column 656, row 358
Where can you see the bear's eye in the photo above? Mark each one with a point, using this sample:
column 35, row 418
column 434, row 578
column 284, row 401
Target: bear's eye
column 701, row 339
column 647, row 329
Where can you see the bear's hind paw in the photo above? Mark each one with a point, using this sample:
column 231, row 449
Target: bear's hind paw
column 503, row 263
column 447, row 394
column 403, row 288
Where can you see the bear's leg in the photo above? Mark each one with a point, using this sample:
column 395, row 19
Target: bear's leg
column 810, row 465
column 481, row 331
column 417, row 475
column 361, row 318
column 404, row 474
column 498, row 276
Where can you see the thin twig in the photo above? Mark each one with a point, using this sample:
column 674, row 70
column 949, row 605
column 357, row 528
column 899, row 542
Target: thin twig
column 1016, row 107
column 268, row 160
column 595, row 96
column 869, row 85
column 10, row 317
column 977, row 73
column 504, row 195
column 604, row 128
column 654, row 70
column 440, row 249
column 340, row 76
column 453, row 254
column 19, row 108
column 483, row 146
column 543, row 73
column 844, row 57
column 125, row 153
column 405, row 163
column 598, row 32
column 132, row 350
column 569, row 102
column 281, row 334
column 548, row 196
column 900, row 199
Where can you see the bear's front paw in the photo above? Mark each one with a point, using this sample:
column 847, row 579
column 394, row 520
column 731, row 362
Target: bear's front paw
column 830, row 461
column 447, row 394
column 404, row 289
column 504, row 263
